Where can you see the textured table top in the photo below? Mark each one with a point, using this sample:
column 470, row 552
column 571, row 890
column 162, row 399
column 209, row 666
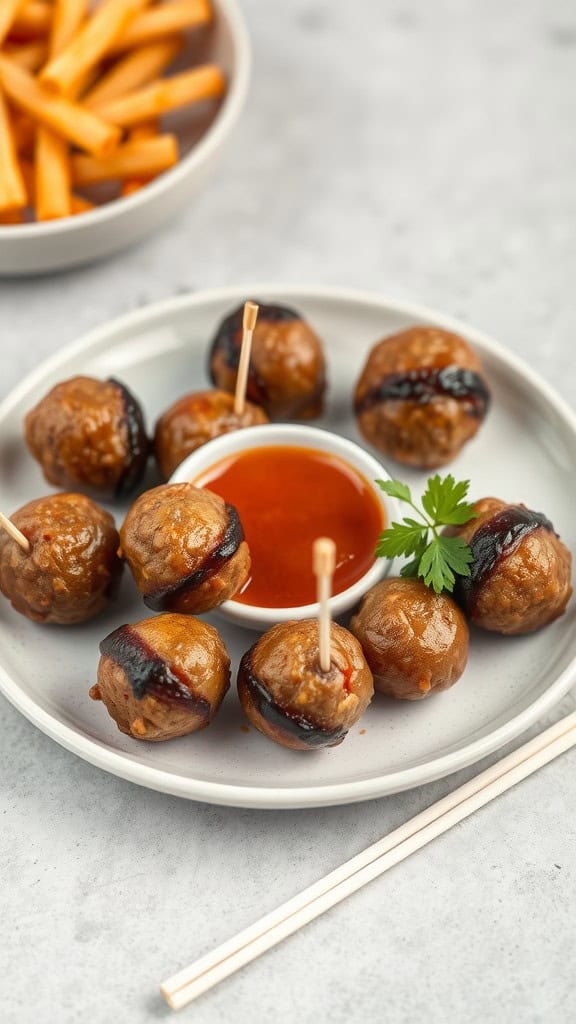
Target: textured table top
column 426, row 151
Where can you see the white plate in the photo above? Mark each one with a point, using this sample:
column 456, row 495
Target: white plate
column 526, row 451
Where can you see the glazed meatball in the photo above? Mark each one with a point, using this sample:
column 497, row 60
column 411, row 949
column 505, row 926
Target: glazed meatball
column 288, row 698
column 287, row 373
column 195, row 419
column 72, row 568
column 185, row 547
column 421, row 396
column 415, row 641
column 163, row 677
column 90, row 434
column 520, row 576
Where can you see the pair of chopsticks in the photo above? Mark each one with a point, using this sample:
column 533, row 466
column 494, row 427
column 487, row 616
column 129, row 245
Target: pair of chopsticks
column 209, row 970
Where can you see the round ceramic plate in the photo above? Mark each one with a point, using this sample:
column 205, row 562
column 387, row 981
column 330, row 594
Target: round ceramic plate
column 525, row 451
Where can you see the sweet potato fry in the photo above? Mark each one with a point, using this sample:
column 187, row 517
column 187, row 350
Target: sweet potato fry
column 52, row 178
column 24, row 131
column 65, row 71
column 146, row 130
column 32, row 19
column 27, row 169
column 12, row 217
column 137, row 68
column 163, row 20
column 85, row 129
column 13, row 194
column 8, row 11
column 52, row 165
column 203, row 83
column 29, row 56
column 68, row 17
column 141, row 159
column 80, row 205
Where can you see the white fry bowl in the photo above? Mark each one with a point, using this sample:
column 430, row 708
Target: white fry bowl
column 55, row 245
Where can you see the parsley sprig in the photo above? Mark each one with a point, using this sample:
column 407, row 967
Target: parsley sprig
column 435, row 558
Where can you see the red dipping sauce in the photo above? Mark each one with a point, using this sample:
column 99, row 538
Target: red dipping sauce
column 287, row 497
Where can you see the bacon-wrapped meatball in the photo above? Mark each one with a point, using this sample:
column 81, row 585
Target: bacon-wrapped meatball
column 520, row 576
column 90, row 434
column 421, row 396
column 72, row 568
column 195, row 419
column 185, row 547
column 287, row 374
column 288, row 698
column 414, row 640
column 163, row 677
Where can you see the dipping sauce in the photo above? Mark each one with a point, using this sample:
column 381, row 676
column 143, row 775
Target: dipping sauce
column 286, row 498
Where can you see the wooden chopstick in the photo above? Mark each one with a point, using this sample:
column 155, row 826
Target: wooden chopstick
column 209, row 970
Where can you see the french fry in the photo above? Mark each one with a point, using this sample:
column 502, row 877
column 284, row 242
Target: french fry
column 66, row 71
column 85, row 129
column 81, row 205
column 8, row 11
column 203, row 83
column 137, row 68
column 13, row 194
column 163, row 20
column 52, row 165
column 68, row 16
column 146, row 130
column 141, row 159
column 32, row 19
column 30, row 56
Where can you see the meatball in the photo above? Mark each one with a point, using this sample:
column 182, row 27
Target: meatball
column 163, row 677
column 415, row 641
column 90, row 434
column 520, row 576
column 288, row 698
column 185, row 547
column 195, row 419
column 421, row 396
column 72, row 568
column 287, row 374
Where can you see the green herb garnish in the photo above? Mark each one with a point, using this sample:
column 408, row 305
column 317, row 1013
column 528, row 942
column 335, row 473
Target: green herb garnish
column 435, row 558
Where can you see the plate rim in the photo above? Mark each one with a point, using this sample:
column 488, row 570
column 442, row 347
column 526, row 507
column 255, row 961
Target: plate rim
column 122, row 764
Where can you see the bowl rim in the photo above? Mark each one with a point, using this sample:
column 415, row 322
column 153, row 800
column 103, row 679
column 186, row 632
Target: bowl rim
column 305, row 436
column 212, row 139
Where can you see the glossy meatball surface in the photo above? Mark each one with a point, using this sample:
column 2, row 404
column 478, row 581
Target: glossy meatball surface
column 162, row 677
column 521, row 573
column 287, row 373
column 415, row 641
column 195, row 419
column 90, row 434
column 185, row 547
column 287, row 697
column 72, row 568
column 421, row 396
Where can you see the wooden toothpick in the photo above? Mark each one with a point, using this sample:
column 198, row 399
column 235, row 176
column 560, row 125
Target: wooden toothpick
column 15, row 533
column 324, row 563
column 248, row 325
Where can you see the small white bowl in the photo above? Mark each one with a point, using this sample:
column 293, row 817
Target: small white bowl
column 288, row 435
column 54, row 245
